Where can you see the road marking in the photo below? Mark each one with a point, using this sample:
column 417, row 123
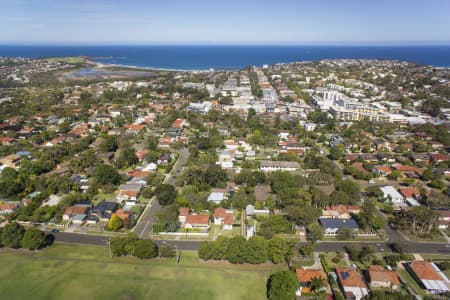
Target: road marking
column 145, row 228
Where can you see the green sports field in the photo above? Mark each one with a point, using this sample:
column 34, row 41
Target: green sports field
column 85, row 272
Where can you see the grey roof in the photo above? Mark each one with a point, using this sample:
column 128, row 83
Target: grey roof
column 338, row 223
column 105, row 206
column 79, row 217
column 279, row 164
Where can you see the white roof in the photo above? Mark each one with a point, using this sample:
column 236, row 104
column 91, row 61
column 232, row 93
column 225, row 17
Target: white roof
column 216, row 197
column 391, row 191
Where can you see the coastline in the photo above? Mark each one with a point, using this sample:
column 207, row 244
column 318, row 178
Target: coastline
column 138, row 68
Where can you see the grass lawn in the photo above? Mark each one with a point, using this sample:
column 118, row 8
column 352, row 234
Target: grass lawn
column 84, row 272
column 103, row 196
column 332, row 265
column 414, row 285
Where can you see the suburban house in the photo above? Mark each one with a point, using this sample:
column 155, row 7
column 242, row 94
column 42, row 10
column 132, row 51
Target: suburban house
column 333, row 225
column 224, row 217
column 164, row 159
column 429, row 276
column 251, row 211
column 79, row 219
column 104, row 210
column 217, row 195
column 351, row 283
column 382, row 170
column 129, row 193
column 125, row 215
column 305, row 276
column 390, row 194
column 197, row 221
column 340, row 211
column 11, row 160
column 74, row 210
column 271, row 166
column 8, row 207
column 262, row 193
column 183, row 212
column 411, row 194
column 52, row 200
column 380, row 277
column 444, row 218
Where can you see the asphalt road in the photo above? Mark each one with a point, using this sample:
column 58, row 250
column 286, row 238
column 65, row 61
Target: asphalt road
column 332, row 246
column 100, row 240
column 145, row 224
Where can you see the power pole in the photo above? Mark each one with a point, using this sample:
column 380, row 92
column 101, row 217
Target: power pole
column 109, row 247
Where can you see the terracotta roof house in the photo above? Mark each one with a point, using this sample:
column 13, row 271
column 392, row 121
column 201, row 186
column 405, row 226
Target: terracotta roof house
column 225, row 217
column 429, row 276
column 7, row 140
column 382, row 170
column 380, row 277
column 134, row 128
column 351, row 283
column 304, row 277
column 197, row 221
column 129, row 193
column 438, row 157
column 340, row 211
column 125, row 215
column 360, row 168
column 8, row 207
column 138, row 173
column 409, row 192
column 74, row 210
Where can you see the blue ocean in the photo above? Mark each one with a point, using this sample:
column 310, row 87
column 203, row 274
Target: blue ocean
column 201, row 57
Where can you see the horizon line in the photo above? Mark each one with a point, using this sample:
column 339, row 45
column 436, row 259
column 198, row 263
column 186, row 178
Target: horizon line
column 353, row 44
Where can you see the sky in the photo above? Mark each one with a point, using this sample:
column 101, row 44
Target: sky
column 306, row 22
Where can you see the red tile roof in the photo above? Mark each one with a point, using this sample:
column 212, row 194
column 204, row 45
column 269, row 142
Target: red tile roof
column 220, row 213
column 197, row 219
column 306, row 275
column 378, row 273
column 409, row 192
column 424, row 270
column 73, row 210
column 183, row 211
column 229, row 218
column 350, row 277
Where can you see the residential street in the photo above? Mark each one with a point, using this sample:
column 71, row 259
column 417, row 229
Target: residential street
column 332, row 246
column 144, row 225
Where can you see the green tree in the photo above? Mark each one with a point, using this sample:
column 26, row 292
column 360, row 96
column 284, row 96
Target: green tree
column 146, row 249
column 166, row 194
column 282, row 286
column 115, row 223
column 337, row 152
column 367, row 213
column 106, row 174
column 205, row 250
column 127, row 157
column 345, row 234
column 12, row 235
column 315, row 232
column 109, row 144
column 256, row 250
column 277, row 250
column 317, row 284
column 33, row 239
column 236, row 250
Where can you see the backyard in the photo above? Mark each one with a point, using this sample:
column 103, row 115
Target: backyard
column 79, row 271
